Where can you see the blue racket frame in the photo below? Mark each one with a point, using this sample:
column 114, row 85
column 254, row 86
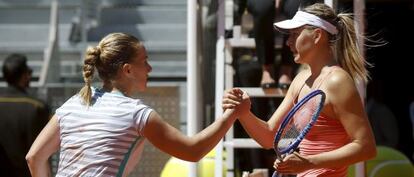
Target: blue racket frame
column 289, row 116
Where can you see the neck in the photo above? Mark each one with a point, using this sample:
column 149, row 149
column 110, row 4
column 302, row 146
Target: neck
column 118, row 88
column 111, row 87
column 321, row 60
column 18, row 87
column 119, row 92
column 107, row 86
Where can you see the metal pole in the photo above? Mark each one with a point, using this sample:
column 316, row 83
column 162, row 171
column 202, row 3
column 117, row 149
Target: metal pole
column 219, row 95
column 192, row 75
column 220, row 18
column 218, row 168
column 331, row 3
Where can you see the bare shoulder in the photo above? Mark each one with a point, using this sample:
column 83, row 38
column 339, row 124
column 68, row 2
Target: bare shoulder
column 339, row 79
column 340, row 84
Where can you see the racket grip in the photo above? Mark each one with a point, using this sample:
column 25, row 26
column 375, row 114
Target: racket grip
column 275, row 174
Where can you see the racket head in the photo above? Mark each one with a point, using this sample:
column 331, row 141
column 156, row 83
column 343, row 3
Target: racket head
column 298, row 122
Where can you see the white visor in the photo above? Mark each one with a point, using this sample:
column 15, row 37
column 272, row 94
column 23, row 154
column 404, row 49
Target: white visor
column 303, row 18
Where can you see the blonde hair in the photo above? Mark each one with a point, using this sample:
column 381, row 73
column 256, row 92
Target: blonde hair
column 107, row 57
column 348, row 53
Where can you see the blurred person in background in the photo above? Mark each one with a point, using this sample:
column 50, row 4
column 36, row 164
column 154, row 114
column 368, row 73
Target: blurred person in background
column 22, row 117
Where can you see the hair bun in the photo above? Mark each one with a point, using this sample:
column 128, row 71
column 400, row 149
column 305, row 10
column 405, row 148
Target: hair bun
column 97, row 50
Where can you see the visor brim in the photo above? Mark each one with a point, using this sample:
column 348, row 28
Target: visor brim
column 285, row 25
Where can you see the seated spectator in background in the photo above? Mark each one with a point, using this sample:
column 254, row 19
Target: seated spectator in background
column 263, row 12
column 22, row 117
column 383, row 121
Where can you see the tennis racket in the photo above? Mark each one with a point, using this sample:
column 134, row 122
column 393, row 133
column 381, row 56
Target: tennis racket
column 297, row 124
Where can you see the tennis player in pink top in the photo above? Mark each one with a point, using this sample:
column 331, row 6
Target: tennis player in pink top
column 326, row 43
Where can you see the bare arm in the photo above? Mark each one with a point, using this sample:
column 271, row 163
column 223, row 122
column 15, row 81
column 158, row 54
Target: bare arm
column 261, row 131
column 172, row 141
column 43, row 147
column 348, row 108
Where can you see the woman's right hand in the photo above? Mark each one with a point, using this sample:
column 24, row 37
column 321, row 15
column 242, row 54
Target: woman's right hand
column 235, row 98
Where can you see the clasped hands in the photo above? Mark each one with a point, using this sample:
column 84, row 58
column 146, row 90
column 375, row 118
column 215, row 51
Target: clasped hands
column 236, row 99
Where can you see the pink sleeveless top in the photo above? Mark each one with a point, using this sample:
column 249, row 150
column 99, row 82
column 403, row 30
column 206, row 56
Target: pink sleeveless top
column 326, row 135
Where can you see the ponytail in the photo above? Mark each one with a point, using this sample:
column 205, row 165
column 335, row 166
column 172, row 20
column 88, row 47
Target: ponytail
column 347, row 50
column 92, row 55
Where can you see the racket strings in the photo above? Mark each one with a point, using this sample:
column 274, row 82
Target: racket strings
column 301, row 118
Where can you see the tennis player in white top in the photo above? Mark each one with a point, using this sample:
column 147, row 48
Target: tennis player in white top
column 100, row 131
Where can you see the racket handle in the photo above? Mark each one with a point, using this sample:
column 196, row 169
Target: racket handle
column 275, row 174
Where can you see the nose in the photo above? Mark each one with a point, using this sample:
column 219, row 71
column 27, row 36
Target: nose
column 30, row 70
column 149, row 67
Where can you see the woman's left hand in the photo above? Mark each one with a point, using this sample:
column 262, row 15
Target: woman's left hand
column 292, row 164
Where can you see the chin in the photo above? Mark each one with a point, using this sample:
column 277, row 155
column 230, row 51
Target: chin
column 297, row 59
column 142, row 88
